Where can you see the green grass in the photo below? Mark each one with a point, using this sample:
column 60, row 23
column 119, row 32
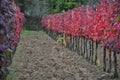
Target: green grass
column 28, row 32
column 16, row 59
column 25, row 32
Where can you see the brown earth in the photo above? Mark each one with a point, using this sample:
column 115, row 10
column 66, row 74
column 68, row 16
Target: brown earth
column 39, row 57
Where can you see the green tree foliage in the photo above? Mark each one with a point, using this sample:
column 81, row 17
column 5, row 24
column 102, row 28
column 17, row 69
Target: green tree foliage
column 41, row 7
column 60, row 5
column 23, row 4
column 34, row 8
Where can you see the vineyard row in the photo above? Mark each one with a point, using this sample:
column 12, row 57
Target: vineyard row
column 84, row 27
column 11, row 21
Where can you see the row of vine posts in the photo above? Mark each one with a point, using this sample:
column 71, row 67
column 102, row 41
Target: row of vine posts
column 89, row 50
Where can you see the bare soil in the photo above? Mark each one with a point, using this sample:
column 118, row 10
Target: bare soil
column 39, row 57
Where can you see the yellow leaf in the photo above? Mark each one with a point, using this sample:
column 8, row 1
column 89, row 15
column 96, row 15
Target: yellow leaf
column 59, row 40
column 98, row 62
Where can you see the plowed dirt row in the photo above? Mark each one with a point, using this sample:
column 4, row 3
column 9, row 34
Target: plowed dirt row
column 39, row 57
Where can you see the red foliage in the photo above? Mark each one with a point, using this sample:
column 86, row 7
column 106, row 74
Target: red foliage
column 19, row 19
column 100, row 24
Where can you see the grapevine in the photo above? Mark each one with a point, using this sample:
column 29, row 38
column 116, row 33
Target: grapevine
column 94, row 24
column 11, row 21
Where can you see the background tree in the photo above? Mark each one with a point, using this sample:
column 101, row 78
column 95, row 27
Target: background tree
column 42, row 7
column 60, row 5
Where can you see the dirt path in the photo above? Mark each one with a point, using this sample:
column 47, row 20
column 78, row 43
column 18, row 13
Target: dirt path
column 38, row 57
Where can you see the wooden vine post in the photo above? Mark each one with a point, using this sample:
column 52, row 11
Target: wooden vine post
column 92, row 54
column 104, row 59
column 110, row 62
column 96, row 53
column 115, row 65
